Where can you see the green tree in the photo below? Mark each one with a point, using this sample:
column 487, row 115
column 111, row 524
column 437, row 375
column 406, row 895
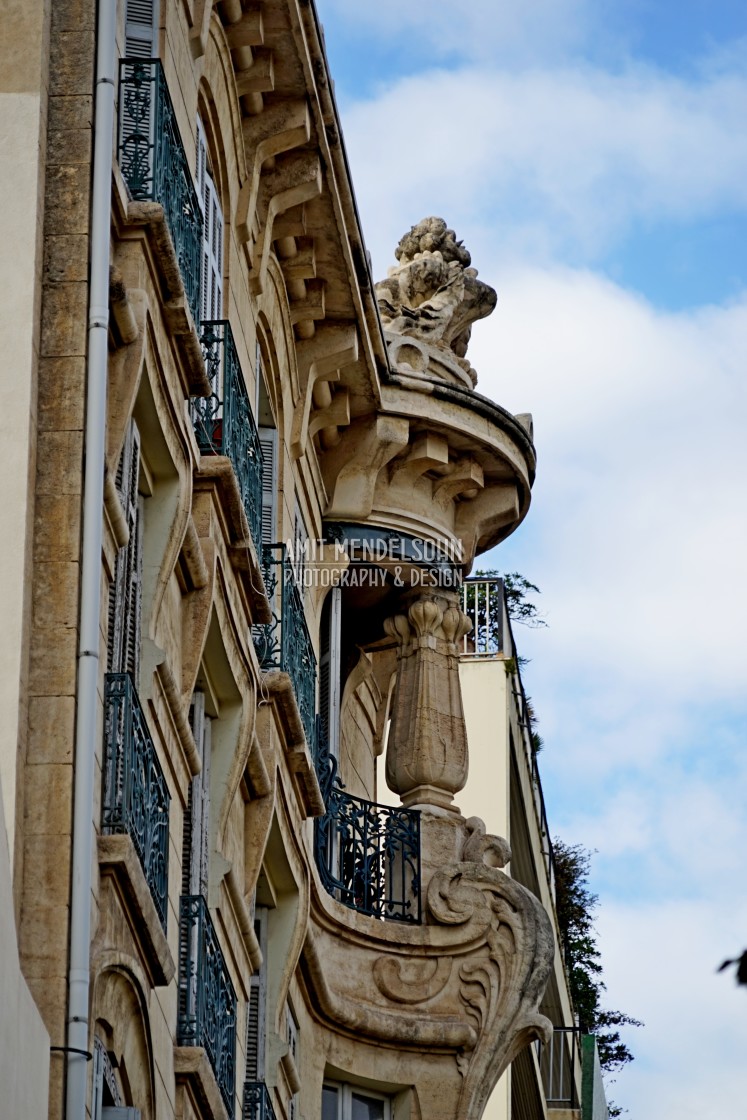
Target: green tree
column 576, row 905
column 518, row 591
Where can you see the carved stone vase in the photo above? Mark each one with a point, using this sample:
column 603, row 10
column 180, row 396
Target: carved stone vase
column 427, row 761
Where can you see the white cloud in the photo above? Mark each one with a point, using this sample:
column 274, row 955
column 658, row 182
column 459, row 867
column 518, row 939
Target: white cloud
column 660, row 965
column 540, row 162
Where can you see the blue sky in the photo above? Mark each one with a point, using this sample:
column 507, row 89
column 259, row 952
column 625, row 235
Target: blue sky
column 593, row 157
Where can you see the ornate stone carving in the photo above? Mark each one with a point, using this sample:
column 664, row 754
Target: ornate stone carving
column 427, row 751
column 432, row 294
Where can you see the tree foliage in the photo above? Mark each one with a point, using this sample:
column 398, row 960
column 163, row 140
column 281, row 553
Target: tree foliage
column 518, row 590
column 576, row 906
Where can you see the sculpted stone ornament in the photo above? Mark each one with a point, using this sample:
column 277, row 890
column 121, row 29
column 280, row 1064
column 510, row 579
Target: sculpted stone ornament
column 463, row 988
column 433, row 296
column 426, row 761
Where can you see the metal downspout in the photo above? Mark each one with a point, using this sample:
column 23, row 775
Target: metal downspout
column 90, row 579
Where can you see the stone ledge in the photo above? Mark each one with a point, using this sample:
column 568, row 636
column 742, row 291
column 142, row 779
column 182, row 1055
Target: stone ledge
column 301, row 766
column 119, row 860
column 193, row 1071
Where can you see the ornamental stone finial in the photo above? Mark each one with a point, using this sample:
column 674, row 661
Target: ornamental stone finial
column 433, row 296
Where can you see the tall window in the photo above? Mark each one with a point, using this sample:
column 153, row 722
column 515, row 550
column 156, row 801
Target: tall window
column 348, row 1102
column 211, row 287
column 125, row 591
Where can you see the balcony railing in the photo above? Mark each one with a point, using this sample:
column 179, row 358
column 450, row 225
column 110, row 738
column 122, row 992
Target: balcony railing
column 368, row 856
column 153, row 164
column 136, row 799
column 257, row 1103
column 285, row 643
column 559, row 1062
column 207, row 1001
column 223, row 422
column 483, row 603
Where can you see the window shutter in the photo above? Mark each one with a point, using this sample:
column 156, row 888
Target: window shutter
column 268, row 439
column 141, row 24
column 256, row 1008
column 125, row 592
column 329, row 673
column 197, row 840
column 212, row 234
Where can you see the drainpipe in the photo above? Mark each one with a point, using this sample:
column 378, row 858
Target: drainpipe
column 90, row 578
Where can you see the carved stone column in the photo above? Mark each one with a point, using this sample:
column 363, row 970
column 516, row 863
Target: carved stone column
column 426, row 761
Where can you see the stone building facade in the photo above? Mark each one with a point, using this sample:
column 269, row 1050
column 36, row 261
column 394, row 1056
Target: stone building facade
column 242, row 485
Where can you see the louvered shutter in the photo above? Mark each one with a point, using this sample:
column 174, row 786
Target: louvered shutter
column 257, row 1005
column 268, row 439
column 196, row 855
column 125, row 592
column 141, row 24
column 211, row 295
column 329, row 672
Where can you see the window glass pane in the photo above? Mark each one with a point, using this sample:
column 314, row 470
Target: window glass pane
column 366, row 1108
column 329, row 1103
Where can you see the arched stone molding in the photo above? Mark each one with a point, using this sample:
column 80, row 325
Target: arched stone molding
column 119, row 1004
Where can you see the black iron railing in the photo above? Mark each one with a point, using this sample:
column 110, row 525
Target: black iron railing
column 207, row 1000
column 368, row 856
column 257, row 1103
column 559, row 1062
column 224, row 423
column 285, row 643
column 136, row 798
column 153, row 163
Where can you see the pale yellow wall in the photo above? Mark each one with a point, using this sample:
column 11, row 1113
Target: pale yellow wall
column 22, row 142
column 499, row 1104
column 484, row 695
column 24, row 1043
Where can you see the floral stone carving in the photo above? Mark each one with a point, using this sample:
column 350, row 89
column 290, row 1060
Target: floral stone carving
column 433, row 295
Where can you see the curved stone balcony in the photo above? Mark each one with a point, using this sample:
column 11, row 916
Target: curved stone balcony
column 435, row 460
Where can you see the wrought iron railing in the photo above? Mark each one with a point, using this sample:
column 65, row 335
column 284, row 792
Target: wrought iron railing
column 153, row 164
column 136, row 798
column 560, row 1067
column 224, row 423
column 207, row 1000
column 257, row 1103
column 285, row 643
column 368, row 856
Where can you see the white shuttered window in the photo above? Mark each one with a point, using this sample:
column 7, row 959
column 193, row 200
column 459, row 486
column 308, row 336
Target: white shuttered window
column 211, row 295
column 141, row 29
column 125, row 592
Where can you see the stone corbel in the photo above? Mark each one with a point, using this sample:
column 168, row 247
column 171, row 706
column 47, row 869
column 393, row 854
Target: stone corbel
column 279, row 128
column 486, row 515
column 465, row 479
column 196, row 609
column 248, row 31
column 198, row 35
column 297, row 179
column 501, row 982
column 320, row 359
column 335, row 415
column 259, row 77
column 312, row 306
column 354, row 465
column 428, row 452
column 302, row 265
